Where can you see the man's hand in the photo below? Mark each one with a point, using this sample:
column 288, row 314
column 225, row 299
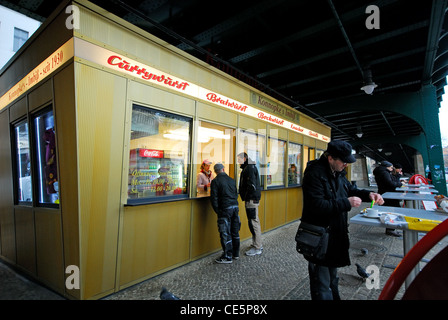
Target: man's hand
column 377, row 198
column 355, row 201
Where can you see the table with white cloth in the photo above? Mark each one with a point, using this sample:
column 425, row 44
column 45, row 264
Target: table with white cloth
column 423, row 222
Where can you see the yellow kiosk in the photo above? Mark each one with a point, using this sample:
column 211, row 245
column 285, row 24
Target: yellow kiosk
column 103, row 129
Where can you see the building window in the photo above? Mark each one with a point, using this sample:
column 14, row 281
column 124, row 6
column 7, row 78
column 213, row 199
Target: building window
column 215, row 144
column 159, row 153
column 20, row 37
column 24, row 191
column 276, row 163
column 294, row 164
column 253, row 144
column 47, row 168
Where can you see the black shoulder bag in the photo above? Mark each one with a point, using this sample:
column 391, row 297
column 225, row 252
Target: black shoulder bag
column 312, row 241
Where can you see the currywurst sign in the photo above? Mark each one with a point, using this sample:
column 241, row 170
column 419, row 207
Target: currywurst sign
column 85, row 50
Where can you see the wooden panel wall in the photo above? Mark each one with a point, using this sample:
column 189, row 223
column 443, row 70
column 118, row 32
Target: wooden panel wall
column 49, row 248
column 65, row 115
column 154, row 238
column 25, row 239
column 7, row 229
column 100, row 119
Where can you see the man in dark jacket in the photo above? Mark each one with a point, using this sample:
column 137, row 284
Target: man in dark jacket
column 224, row 199
column 250, row 192
column 327, row 198
column 386, row 182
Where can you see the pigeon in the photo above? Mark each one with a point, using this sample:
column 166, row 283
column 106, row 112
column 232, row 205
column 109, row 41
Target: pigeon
column 166, row 295
column 364, row 251
column 361, row 271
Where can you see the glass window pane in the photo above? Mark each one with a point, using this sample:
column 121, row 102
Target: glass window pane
column 294, row 164
column 20, row 37
column 254, row 145
column 215, row 144
column 23, row 163
column 158, row 160
column 276, row 163
column 47, row 169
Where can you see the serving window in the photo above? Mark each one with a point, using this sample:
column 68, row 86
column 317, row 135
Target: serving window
column 23, row 183
column 215, row 145
column 159, row 153
column 276, row 162
column 294, row 164
column 253, row 144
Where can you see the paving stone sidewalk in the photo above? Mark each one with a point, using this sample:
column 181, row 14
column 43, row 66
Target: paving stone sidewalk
column 280, row 273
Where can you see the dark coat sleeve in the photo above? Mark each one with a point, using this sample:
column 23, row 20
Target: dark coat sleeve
column 214, row 195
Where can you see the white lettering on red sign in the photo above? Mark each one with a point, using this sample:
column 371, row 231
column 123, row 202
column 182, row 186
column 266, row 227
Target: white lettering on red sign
column 148, row 153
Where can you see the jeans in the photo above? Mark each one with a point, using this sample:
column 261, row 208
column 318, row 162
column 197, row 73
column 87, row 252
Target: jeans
column 229, row 226
column 323, row 282
column 254, row 223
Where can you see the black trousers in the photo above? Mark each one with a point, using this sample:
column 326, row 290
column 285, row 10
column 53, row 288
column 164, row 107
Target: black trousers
column 229, row 226
column 324, row 282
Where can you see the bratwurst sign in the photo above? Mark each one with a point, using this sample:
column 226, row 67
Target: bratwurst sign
column 85, row 50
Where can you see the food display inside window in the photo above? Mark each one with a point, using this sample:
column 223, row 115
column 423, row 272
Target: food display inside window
column 294, row 164
column 156, row 172
column 158, row 159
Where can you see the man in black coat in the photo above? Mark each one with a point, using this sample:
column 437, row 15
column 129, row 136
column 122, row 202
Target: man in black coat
column 224, row 199
column 387, row 182
column 250, row 192
column 327, row 198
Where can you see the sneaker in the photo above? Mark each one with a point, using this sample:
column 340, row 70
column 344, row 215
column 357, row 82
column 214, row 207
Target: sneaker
column 254, row 251
column 223, row 259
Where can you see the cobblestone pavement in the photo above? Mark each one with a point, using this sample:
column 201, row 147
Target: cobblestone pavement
column 280, row 273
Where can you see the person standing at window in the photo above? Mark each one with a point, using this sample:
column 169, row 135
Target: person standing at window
column 204, row 178
column 250, row 192
column 224, row 199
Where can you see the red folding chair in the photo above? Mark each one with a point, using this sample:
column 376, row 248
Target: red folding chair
column 432, row 282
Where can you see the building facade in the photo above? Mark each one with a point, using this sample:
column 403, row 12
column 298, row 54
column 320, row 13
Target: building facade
column 15, row 29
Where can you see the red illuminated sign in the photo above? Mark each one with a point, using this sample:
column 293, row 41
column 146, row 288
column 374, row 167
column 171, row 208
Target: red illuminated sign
column 148, row 153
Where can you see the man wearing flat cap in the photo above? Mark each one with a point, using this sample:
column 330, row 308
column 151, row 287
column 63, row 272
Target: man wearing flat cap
column 327, row 198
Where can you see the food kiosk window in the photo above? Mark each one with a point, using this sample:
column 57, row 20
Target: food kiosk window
column 276, row 163
column 215, row 144
column 47, row 170
column 294, row 164
column 24, row 191
column 159, row 153
column 253, row 144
